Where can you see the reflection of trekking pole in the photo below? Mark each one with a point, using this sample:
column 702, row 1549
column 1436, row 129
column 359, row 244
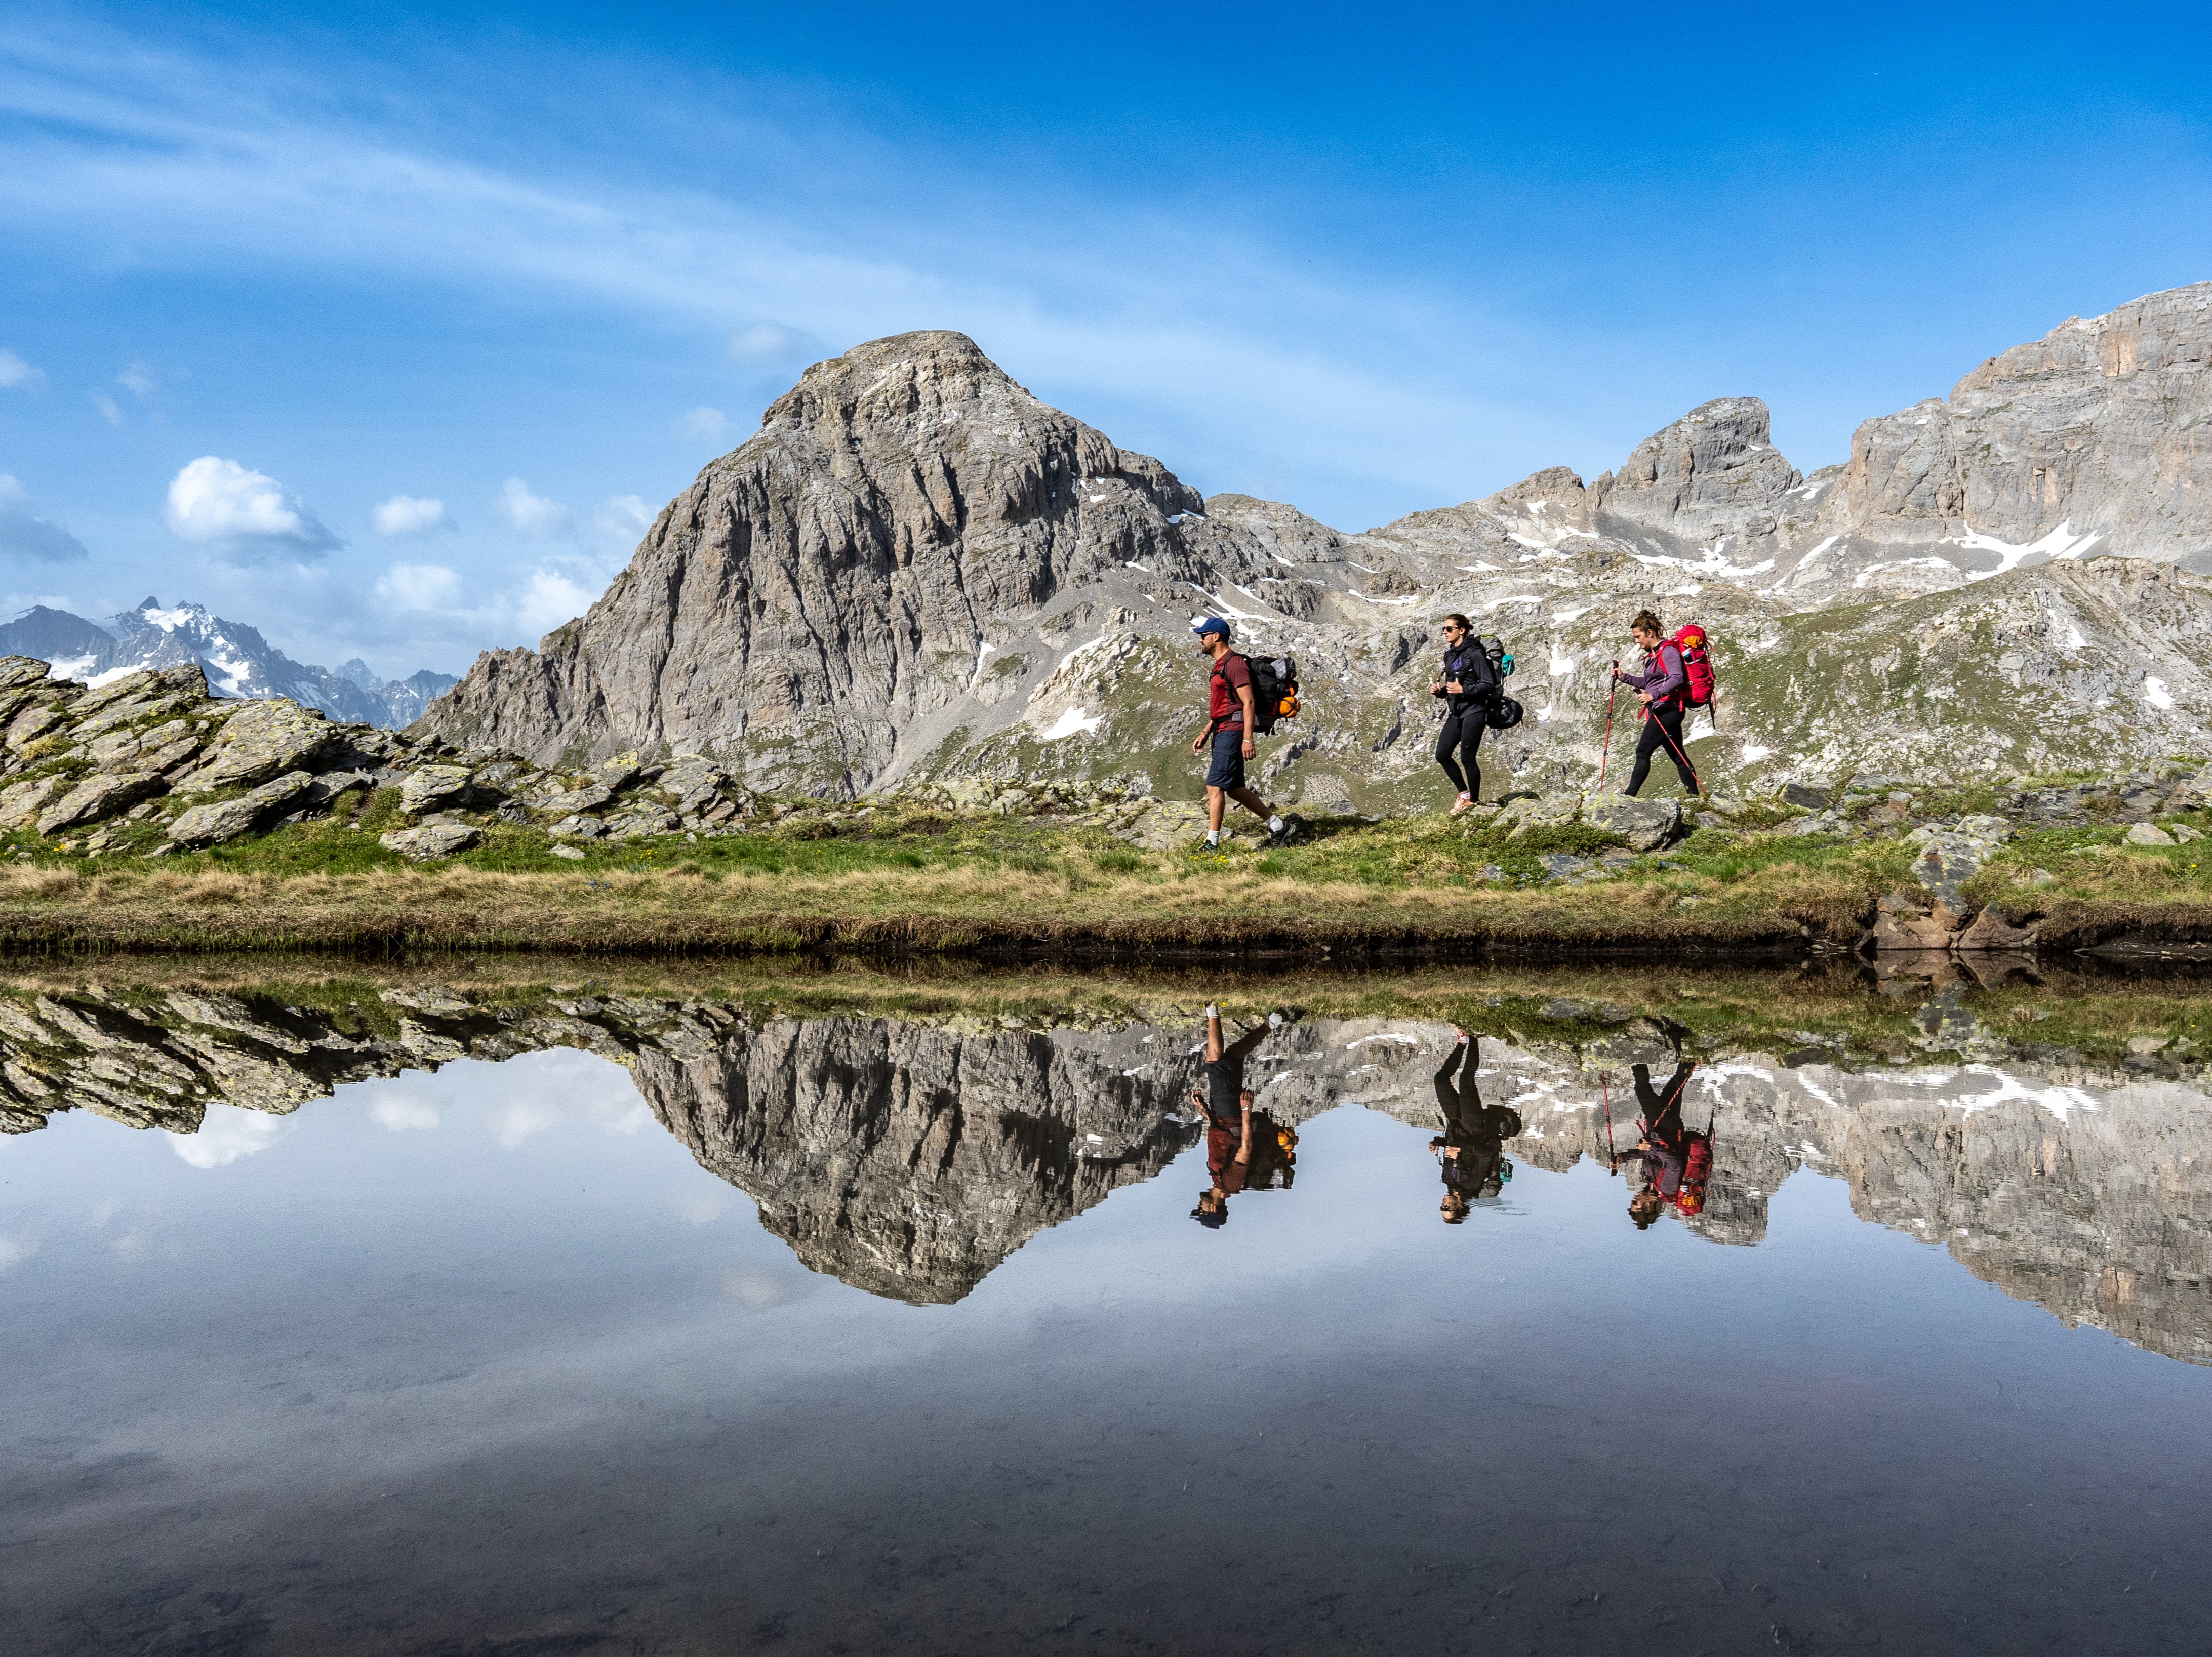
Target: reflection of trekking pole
column 1607, row 752
column 1613, row 1156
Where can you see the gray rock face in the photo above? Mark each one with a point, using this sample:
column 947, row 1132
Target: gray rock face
column 262, row 739
column 100, row 795
column 433, row 786
column 432, row 840
column 813, row 598
column 211, row 825
column 1647, row 824
column 1714, row 472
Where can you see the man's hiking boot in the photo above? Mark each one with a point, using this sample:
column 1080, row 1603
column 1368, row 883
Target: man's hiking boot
column 1294, row 828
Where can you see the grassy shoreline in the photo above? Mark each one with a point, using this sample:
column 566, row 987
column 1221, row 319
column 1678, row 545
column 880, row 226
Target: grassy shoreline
column 986, row 886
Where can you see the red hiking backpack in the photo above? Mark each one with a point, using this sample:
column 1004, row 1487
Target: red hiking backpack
column 1697, row 665
column 1697, row 1169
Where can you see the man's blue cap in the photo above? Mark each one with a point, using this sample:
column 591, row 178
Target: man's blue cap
column 1207, row 624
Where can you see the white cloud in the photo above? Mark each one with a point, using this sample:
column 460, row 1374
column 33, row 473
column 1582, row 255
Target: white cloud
column 107, row 405
column 711, row 424
column 532, row 514
column 402, row 1115
column 420, row 586
column 14, row 1251
column 25, row 535
column 246, row 514
column 139, row 380
column 408, row 514
column 14, row 371
column 623, row 515
column 227, row 1133
column 770, row 345
column 547, row 599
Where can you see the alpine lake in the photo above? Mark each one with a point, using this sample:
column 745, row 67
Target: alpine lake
column 511, row 1307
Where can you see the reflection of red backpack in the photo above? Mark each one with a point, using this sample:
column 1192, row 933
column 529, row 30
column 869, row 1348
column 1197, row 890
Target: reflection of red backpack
column 1696, row 1169
column 1697, row 666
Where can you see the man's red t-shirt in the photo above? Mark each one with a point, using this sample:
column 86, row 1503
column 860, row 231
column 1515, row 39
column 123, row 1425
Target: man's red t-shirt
column 1226, row 675
column 1221, row 1159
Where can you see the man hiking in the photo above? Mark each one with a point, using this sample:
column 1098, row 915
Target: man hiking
column 1227, row 1103
column 1663, row 688
column 1472, row 1148
column 1469, row 686
column 1229, row 726
column 1664, row 1145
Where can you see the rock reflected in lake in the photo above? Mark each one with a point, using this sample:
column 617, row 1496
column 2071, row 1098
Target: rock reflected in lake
column 909, row 1156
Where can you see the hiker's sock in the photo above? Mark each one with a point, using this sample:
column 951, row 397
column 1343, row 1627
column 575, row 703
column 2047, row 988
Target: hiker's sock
column 1275, row 824
column 1212, row 1011
column 1214, row 837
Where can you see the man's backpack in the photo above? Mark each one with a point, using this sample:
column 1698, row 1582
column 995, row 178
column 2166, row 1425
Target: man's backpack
column 1697, row 665
column 1274, row 691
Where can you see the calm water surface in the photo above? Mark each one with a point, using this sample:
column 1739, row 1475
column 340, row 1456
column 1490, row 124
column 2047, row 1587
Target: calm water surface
column 847, row 1335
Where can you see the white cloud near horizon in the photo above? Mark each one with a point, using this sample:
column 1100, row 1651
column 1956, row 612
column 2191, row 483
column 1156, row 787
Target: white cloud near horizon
column 242, row 514
column 14, row 371
column 408, row 514
column 711, row 424
column 25, row 534
column 531, row 514
column 420, row 586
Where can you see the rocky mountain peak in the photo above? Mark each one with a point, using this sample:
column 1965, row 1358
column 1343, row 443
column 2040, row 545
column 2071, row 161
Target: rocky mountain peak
column 1715, row 471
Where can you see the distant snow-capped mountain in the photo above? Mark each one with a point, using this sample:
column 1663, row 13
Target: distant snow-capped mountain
column 237, row 660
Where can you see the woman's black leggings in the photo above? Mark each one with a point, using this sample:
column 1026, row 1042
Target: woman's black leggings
column 1463, row 730
column 1663, row 730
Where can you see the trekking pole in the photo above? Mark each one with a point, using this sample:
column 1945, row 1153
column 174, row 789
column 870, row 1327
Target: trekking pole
column 1606, row 753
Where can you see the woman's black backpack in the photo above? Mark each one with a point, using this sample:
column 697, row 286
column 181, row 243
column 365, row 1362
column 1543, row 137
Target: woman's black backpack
column 1505, row 713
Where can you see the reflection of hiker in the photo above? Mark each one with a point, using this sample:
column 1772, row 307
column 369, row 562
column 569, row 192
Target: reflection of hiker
column 1230, row 724
column 1468, row 685
column 1666, row 1148
column 1227, row 1103
column 1663, row 688
column 1472, row 1148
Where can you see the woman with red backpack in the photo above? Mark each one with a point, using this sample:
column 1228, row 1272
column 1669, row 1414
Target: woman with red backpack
column 1663, row 688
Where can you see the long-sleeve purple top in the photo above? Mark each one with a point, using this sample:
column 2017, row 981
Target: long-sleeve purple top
column 1664, row 680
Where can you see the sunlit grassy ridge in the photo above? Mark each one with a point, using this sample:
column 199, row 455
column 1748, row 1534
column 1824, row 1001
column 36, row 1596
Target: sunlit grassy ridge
column 922, row 880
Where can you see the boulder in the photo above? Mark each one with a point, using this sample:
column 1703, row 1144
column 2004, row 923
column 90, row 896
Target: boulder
column 432, row 840
column 330, row 784
column 1991, row 931
column 1811, row 799
column 25, row 801
column 582, row 828
column 585, row 796
column 574, row 853
column 1950, row 857
column 1896, row 931
column 100, row 795
column 262, row 740
column 433, row 786
column 33, row 724
column 1646, row 824
column 210, row 825
column 2150, row 833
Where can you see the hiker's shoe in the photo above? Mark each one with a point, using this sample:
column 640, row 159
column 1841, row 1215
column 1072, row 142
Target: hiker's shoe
column 1462, row 803
column 1294, row 828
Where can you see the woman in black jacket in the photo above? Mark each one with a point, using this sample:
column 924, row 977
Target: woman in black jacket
column 1469, row 686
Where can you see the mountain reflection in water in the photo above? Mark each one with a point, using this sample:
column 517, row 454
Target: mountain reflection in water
column 910, row 1155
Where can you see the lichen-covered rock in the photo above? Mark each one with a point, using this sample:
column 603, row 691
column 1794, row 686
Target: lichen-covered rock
column 20, row 802
column 1646, row 824
column 2150, row 833
column 262, row 740
column 211, row 825
column 433, row 786
column 99, row 795
column 432, row 840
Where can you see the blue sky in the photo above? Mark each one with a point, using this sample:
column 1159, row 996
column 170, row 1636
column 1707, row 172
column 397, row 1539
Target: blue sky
column 265, row 270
